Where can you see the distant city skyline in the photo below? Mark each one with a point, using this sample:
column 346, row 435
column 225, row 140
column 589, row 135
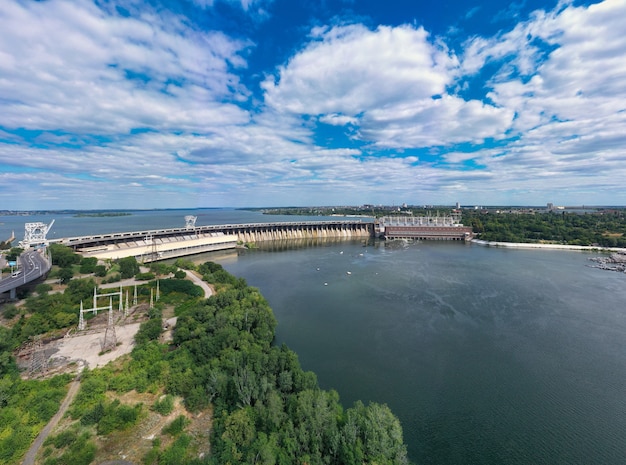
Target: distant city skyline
column 150, row 104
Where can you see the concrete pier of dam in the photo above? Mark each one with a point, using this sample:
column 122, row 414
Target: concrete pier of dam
column 161, row 244
column 154, row 245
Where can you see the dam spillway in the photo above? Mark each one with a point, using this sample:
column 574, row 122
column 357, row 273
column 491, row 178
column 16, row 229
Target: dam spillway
column 305, row 230
column 160, row 244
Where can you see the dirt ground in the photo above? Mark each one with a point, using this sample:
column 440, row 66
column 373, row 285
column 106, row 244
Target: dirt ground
column 131, row 446
column 78, row 349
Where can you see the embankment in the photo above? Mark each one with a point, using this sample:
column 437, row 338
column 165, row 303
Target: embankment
column 527, row 245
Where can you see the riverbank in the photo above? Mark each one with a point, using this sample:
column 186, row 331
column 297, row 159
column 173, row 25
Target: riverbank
column 529, row 245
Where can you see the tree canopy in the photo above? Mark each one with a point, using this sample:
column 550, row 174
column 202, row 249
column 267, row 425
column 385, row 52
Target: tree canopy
column 603, row 229
column 266, row 408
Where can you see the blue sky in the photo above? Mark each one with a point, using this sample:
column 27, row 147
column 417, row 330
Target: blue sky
column 217, row 103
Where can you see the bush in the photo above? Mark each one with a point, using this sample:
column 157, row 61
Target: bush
column 113, row 278
column 94, row 415
column 176, row 454
column 88, row 265
column 11, row 311
column 180, row 286
column 81, row 452
column 161, row 268
column 62, row 439
column 165, row 405
column 144, row 276
column 176, row 427
column 43, row 288
column 100, row 271
column 118, row 417
column 149, row 331
column 185, row 264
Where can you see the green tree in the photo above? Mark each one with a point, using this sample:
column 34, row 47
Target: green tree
column 80, row 289
column 128, row 267
column 372, row 434
column 239, row 434
column 100, row 271
column 88, row 265
column 43, row 288
column 12, row 254
column 63, row 256
column 65, row 275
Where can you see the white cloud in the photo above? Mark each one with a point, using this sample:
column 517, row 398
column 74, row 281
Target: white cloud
column 71, row 65
column 244, row 4
column 338, row 120
column 574, row 102
column 444, row 121
column 350, row 69
column 87, row 77
column 391, row 83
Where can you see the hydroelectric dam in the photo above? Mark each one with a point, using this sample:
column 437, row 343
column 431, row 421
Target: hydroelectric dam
column 161, row 244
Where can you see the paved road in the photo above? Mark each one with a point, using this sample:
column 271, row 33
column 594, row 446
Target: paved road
column 29, row 458
column 32, row 266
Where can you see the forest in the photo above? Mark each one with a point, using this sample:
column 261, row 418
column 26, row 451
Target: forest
column 265, row 408
column 606, row 229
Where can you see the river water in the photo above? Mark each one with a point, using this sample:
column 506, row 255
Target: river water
column 71, row 225
column 487, row 356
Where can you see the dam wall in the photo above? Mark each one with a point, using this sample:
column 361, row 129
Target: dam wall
column 279, row 231
column 162, row 244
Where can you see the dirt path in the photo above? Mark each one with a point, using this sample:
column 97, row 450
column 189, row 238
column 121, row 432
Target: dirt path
column 29, row 458
column 208, row 292
column 74, row 349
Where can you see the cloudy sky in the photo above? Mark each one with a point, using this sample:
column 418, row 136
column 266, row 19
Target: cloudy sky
column 209, row 103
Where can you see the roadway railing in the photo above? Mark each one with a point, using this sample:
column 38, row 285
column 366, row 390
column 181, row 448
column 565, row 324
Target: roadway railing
column 33, row 264
column 198, row 229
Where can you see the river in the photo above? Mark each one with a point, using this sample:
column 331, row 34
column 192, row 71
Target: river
column 70, row 224
column 486, row 355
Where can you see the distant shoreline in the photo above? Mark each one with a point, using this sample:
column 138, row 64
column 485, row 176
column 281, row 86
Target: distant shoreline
column 101, row 214
column 531, row 245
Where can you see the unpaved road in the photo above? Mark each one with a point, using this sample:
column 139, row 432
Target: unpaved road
column 86, row 349
column 29, row 458
column 208, row 292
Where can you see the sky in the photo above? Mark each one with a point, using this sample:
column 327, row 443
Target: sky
column 252, row 103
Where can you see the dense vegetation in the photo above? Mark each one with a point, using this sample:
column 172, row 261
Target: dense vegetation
column 26, row 406
column 606, row 229
column 375, row 211
column 266, row 409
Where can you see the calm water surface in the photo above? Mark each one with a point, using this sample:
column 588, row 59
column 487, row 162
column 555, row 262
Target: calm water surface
column 486, row 355
column 70, row 225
